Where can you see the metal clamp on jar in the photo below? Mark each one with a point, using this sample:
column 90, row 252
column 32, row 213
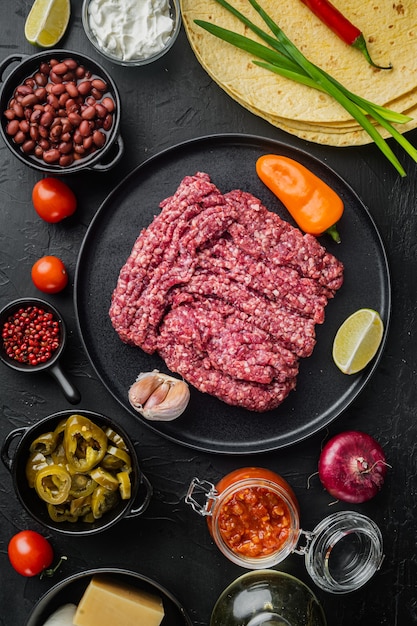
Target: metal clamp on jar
column 253, row 517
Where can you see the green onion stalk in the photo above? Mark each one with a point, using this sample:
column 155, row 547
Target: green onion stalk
column 281, row 56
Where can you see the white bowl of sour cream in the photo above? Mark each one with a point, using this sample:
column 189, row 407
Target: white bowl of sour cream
column 132, row 32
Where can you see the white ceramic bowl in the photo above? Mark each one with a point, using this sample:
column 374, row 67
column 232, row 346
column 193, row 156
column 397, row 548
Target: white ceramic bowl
column 175, row 13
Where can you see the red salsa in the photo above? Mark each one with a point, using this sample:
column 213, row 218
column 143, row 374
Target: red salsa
column 254, row 522
column 31, row 335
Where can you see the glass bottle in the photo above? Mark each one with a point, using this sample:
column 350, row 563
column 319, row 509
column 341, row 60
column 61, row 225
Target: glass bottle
column 267, row 598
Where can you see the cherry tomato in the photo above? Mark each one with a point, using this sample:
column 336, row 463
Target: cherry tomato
column 30, row 553
column 53, row 200
column 49, row 274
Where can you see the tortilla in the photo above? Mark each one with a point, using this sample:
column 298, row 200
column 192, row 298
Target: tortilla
column 332, row 135
column 390, row 30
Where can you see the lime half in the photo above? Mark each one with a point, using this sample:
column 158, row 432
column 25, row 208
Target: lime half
column 357, row 340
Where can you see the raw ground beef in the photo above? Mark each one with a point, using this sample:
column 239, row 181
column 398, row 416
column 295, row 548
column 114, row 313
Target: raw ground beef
column 226, row 292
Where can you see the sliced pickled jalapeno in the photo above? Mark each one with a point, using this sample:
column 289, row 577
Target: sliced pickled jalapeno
column 115, row 438
column 45, row 443
column 53, row 484
column 124, row 485
column 104, row 479
column 82, row 485
column 80, row 506
column 80, row 470
column 121, row 455
column 36, row 461
column 102, row 500
column 85, row 443
column 61, row 513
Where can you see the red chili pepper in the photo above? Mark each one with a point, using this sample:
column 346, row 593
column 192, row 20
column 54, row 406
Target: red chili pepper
column 341, row 26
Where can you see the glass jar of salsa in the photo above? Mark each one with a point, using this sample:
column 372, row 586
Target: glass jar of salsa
column 253, row 516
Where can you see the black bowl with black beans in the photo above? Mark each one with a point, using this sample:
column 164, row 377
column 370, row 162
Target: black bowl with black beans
column 60, row 112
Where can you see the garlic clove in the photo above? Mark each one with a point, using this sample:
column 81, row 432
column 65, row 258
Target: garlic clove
column 159, row 396
column 143, row 387
column 174, row 404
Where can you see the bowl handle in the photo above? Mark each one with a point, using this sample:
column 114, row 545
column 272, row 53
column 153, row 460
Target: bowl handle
column 148, row 495
column 5, row 457
column 70, row 392
column 8, row 60
column 103, row 167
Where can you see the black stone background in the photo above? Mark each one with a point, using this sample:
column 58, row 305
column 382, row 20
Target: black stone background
column 166, row 103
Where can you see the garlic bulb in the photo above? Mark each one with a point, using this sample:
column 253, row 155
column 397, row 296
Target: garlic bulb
column 158, row 396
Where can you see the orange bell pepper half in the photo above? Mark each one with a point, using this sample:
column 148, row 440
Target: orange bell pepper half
column 314, row 205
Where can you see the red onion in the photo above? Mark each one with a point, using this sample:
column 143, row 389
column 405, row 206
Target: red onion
column 352, row 466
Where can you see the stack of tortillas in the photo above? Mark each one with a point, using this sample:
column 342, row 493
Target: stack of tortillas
column 389, row 28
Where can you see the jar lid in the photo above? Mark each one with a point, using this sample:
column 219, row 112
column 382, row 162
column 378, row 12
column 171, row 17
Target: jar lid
column 343, row 551
column 267, row 598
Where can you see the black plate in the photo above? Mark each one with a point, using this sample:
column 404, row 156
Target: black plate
column 71, row 590
column 208, row 424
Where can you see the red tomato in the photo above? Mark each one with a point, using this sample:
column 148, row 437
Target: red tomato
column 30, row 553
column 53, row 200
column 49, row 274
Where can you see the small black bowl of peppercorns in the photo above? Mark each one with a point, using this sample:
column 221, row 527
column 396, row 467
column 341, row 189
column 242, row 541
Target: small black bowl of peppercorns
column 33, row 337
column 60, row 112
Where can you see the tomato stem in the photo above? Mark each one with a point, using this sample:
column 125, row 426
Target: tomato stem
column 50, row 571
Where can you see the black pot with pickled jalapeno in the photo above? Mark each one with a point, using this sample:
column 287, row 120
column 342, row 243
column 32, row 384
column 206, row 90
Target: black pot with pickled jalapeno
column 76, row 472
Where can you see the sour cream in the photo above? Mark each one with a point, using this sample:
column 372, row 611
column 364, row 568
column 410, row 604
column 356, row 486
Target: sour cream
column 130, row 29
column 63, row 616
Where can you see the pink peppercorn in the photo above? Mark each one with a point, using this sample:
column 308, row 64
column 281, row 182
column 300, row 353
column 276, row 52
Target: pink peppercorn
column 31, row 335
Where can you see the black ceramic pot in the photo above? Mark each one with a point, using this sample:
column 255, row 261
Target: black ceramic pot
column 71, row 590
column 15, row 454
column 101, row 160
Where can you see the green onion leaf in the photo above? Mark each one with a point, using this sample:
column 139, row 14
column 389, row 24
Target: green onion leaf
column 284, row 58
column 248, row 45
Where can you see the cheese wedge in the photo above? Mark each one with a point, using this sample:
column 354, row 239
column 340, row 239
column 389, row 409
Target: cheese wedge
column 106, row 602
